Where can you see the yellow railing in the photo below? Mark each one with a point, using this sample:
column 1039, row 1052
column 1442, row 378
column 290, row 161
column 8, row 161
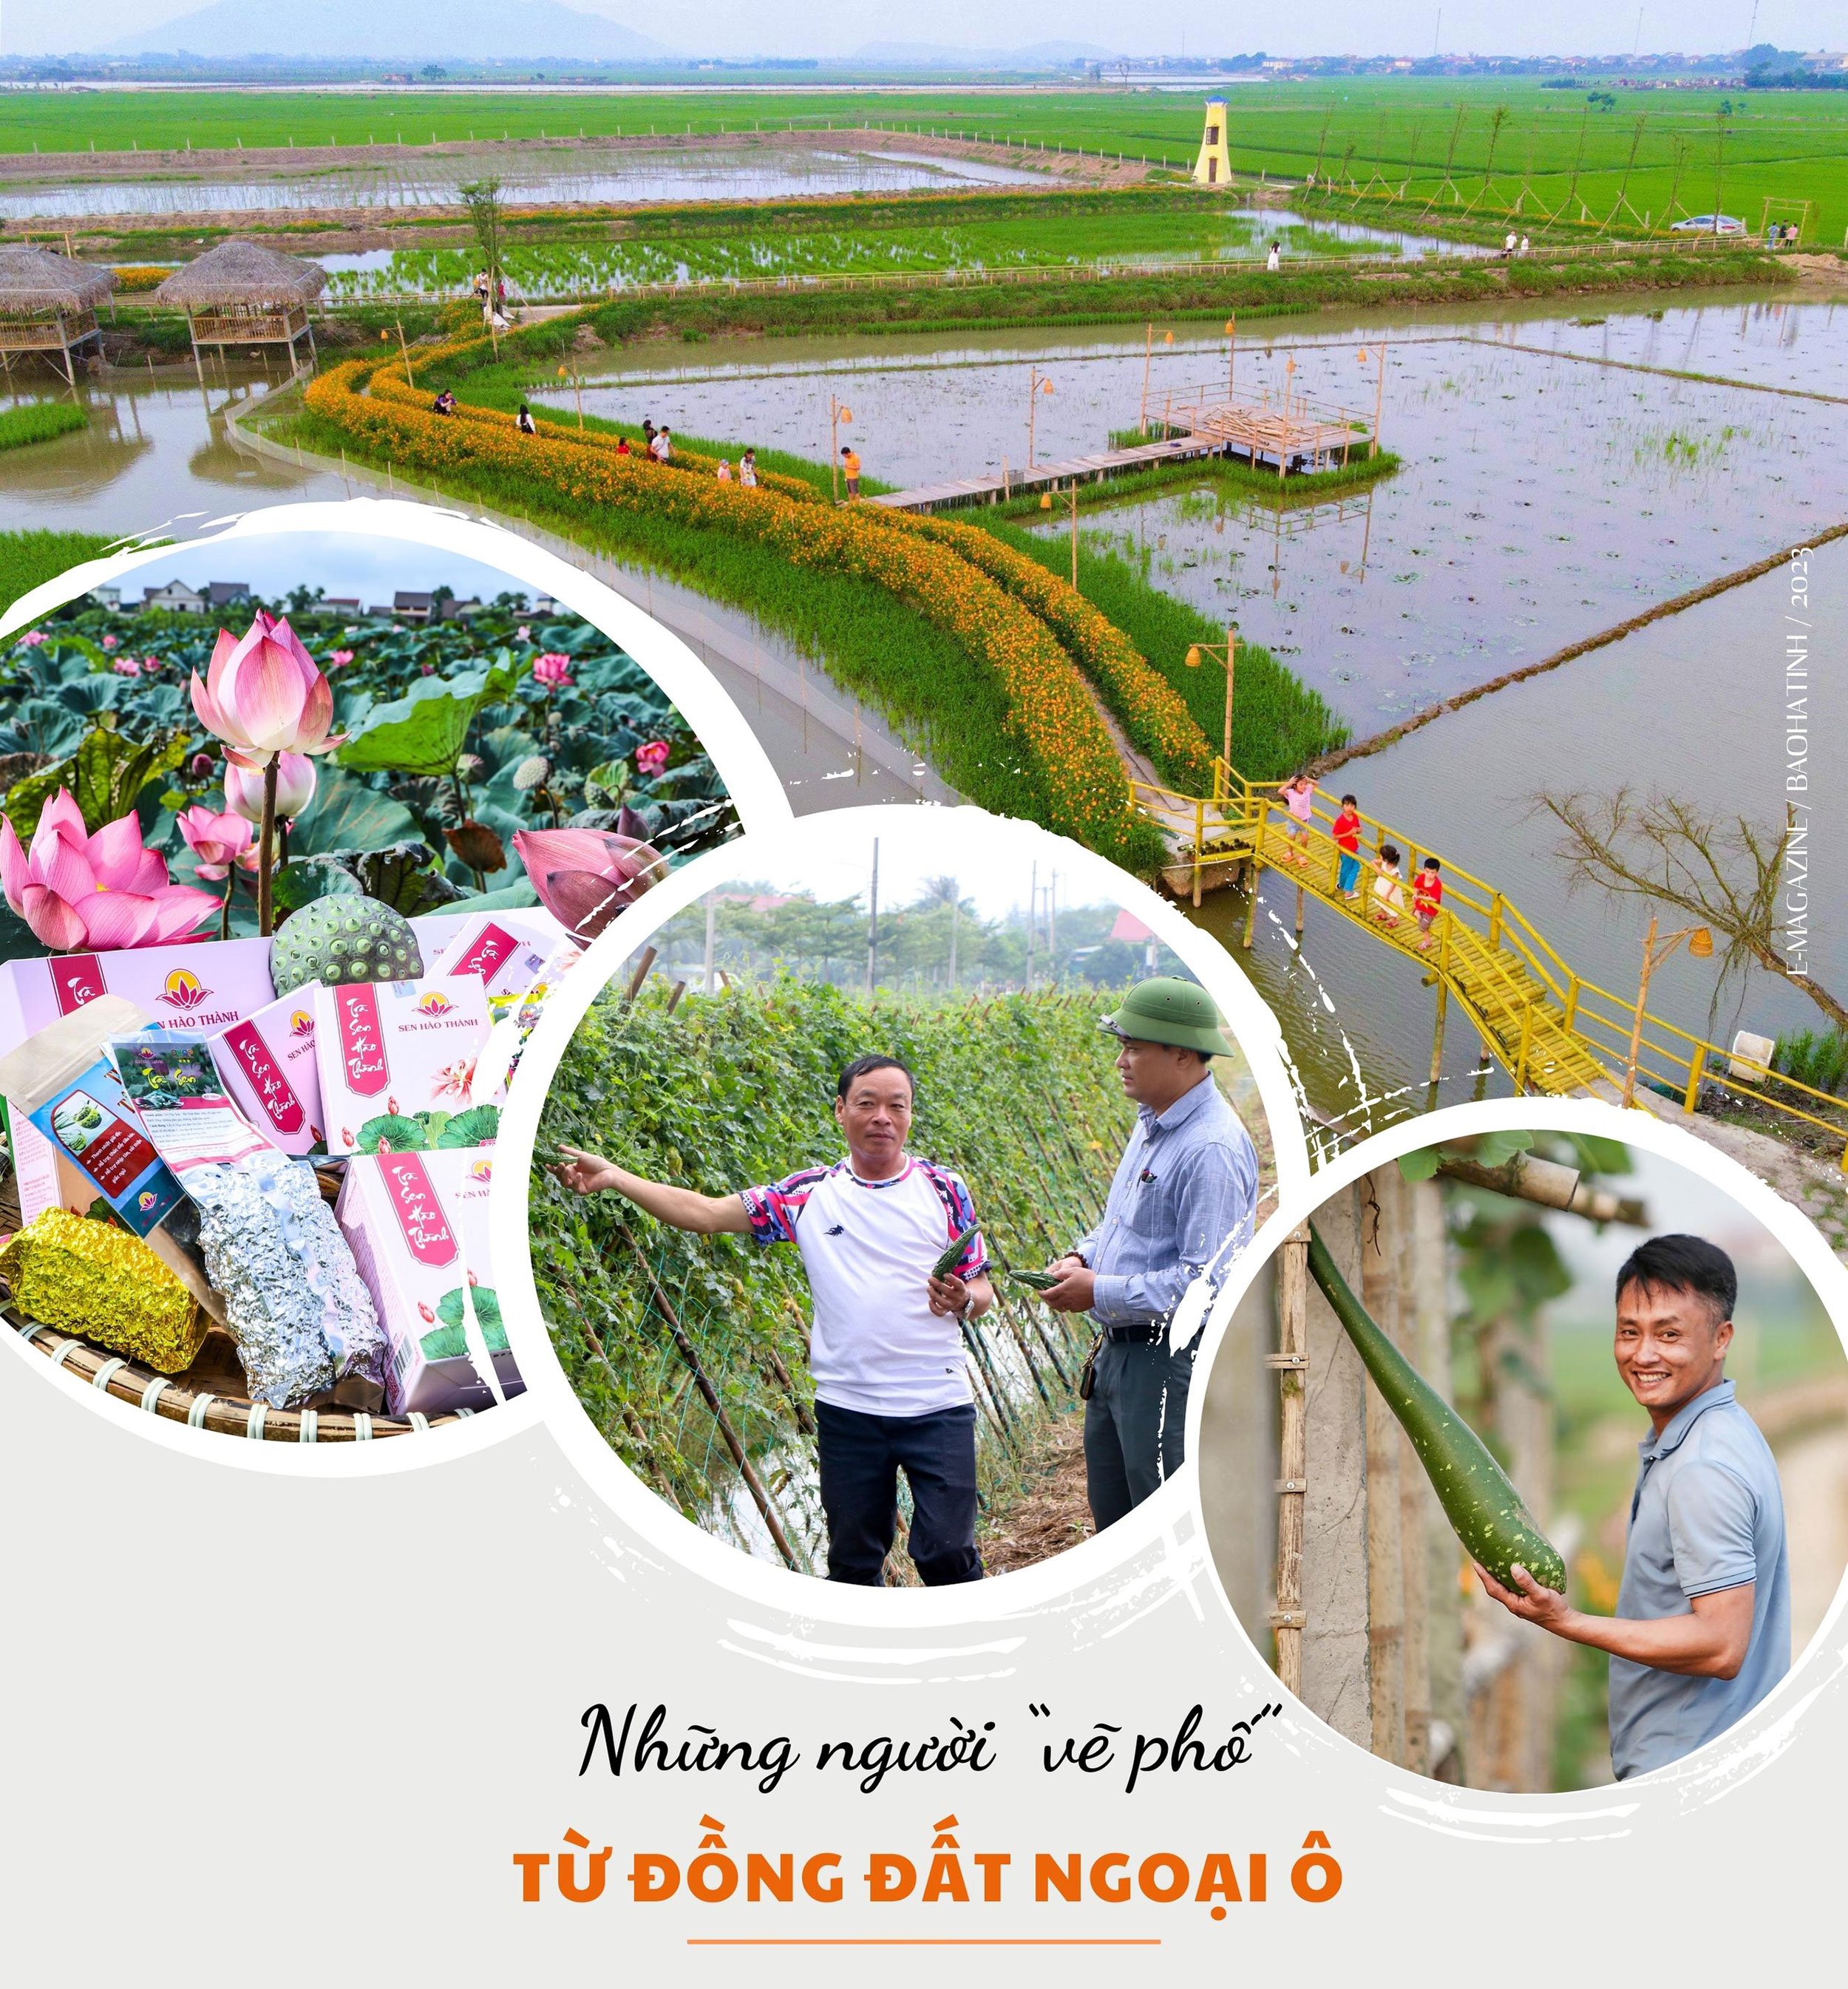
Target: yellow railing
column 1235, row 822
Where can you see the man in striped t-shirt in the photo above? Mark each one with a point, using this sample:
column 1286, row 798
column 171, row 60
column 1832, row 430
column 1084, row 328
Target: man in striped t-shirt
column 891, row 1379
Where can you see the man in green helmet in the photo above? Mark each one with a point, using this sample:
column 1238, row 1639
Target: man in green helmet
column 1181, row 1208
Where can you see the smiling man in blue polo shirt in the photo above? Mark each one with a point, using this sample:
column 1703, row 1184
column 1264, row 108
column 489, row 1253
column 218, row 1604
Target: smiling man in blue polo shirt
column 1702, row 1631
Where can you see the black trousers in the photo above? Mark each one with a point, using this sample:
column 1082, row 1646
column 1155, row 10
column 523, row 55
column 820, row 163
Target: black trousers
column 1135, row 1425
column 861, row 1457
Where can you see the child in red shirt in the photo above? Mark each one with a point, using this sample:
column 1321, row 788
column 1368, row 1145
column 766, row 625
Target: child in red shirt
column 1427, row 900
column 1346, row 830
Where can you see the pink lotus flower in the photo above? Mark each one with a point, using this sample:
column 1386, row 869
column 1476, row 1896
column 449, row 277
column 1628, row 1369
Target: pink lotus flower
column 127, row 666
column 32, row 638
column 94, row 893
column 552, row 669
column 295, row 784
column 217, row 842
column 151, row 666
column 523, row 634
column 110, row 642
column 651, row 758
column 264, row 696
column 585, row 876
column 340, row 659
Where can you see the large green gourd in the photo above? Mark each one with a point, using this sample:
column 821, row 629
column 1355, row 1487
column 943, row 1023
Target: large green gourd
column 1478, row 1500
column 341, row 939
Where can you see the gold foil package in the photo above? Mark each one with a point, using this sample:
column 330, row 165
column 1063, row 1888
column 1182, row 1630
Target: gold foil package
column 92, row 1279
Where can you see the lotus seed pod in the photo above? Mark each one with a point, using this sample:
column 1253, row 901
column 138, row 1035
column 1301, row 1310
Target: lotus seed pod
column 343, row 939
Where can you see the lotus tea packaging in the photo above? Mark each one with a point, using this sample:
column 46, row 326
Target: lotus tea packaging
column 62, row 1079
column 267, row 1064
column 396, row 1060
column 417, row 1226
column 174, row 1085
column 510, row 951
column 95, row 1280
column 202, row 983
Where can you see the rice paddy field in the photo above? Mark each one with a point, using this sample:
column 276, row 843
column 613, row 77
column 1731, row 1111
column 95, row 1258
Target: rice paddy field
column 931, row 234
column 1438, row 139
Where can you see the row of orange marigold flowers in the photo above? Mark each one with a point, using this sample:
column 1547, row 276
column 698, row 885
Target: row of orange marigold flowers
column 1050, row 709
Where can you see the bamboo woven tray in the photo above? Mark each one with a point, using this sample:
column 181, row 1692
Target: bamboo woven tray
column 188, row 1399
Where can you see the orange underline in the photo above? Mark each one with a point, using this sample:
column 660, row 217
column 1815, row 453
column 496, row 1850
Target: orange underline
column 916, row 1940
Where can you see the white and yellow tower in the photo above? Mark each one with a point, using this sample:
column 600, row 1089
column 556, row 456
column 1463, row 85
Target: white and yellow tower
column 1213, row 168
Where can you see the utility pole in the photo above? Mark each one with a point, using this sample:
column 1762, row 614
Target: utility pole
column 1032, row 908
column 873, row 925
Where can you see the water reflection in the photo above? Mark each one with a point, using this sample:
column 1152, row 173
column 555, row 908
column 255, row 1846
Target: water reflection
column 753, row 174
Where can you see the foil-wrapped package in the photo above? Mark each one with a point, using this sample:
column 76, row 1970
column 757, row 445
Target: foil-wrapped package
column 90, row 1279
column 302, row 1319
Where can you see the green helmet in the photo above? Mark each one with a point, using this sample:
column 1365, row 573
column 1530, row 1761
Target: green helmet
column 1167, row 1011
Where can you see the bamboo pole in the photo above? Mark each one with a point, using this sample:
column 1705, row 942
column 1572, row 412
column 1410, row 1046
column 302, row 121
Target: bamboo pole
column 1414, row 1500
column 1291, row 1362
column 1385, row 1441
column 690, row 1353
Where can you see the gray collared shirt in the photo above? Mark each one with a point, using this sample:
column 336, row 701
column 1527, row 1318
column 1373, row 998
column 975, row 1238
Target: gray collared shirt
column 1182, row 1206
column 1707, row 1514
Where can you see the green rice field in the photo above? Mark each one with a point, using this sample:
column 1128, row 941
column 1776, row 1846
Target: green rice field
column 1438, row 137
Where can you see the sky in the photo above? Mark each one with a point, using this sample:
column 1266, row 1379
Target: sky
column 735, row 28
column 339, row 563
column 994, row 887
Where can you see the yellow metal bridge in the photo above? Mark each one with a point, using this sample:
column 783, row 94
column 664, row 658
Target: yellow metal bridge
column 1552, row 1030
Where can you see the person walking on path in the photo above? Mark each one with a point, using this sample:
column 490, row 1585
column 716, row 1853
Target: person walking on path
column 1702, row 1631
column 1388, row 893
column 849, row 464
column 661, row 448
column 724, row 469
column 748, row 469
column 648, row 436
column 1274, row 261
column 891, row 1378
column 1299, row 797
column 527, row 425
column 1181, row 1208
column 1346, row 830
column 1427, row 900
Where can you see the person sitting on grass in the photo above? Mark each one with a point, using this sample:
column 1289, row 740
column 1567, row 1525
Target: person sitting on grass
column 444, row 404
column 1427, row 900
column 1389, row 895
column 1346, row 830
column 1702, row 1631
column 891, row 1378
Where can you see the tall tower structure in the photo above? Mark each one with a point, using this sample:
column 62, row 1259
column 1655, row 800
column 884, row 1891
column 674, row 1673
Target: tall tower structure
column 1213, row 168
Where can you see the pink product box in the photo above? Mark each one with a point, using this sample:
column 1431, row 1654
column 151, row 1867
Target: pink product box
column 509, row 959
column 266, row 1062
column 401, row 1052
column 200, row 984
column 417, row 1223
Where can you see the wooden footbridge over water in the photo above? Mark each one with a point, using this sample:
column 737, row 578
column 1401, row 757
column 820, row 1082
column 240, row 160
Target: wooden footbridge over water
column 1552, row 1031
column 1284, row 432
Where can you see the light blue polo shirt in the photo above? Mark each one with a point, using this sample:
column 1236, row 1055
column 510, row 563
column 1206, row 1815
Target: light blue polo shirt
column 1707, row 1514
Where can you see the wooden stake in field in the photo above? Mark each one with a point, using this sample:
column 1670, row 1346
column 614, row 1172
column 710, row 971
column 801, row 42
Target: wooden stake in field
column 837, row 412
column 1037, row 384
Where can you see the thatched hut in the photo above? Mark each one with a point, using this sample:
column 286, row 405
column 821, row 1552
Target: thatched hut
column 48, row 304
column 241, row 294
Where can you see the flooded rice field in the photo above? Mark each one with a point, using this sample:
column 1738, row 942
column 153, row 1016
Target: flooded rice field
column 592, row 268
column 1692, row 707
column 584, row 179
column 1542, row 498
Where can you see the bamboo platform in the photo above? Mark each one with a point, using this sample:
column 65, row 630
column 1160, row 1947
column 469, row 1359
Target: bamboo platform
column 1003, row 484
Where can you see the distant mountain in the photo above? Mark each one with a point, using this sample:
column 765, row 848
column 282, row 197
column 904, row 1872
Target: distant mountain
column 416, row 31
column 931, row 55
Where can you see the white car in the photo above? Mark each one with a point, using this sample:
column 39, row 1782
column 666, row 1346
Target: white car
column 1707, row 224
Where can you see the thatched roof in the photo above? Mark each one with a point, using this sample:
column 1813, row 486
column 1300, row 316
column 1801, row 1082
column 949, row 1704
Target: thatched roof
column 241, row 272
column 35, row 283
